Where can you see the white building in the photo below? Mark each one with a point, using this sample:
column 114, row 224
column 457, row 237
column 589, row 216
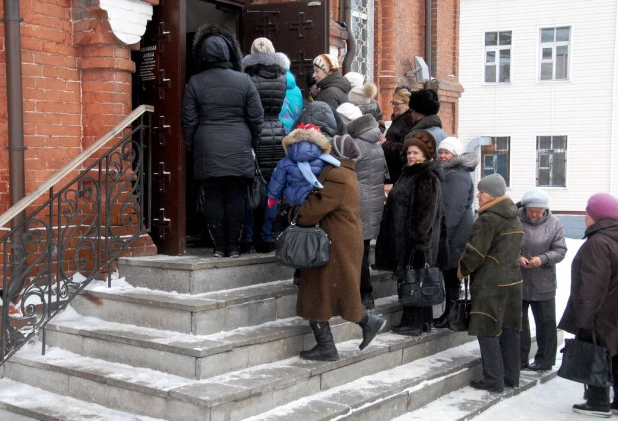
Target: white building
column 541, row 78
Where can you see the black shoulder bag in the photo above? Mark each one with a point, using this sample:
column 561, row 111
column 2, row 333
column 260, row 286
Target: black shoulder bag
column 302, row 247
column 585, row 362
column 459, row 314
column 256, row 190
column 420, row 287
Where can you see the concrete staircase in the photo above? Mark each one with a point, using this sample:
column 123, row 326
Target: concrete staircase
column 195, row 338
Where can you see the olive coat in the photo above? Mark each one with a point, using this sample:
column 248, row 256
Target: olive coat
column 334, row 289
column 491, row 258
column 593, row 304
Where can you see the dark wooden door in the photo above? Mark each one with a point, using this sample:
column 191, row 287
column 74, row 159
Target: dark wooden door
column 298, row 29
column 160, row 81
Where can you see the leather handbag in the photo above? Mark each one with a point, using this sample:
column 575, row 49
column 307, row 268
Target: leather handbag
column 302, row 247
column 458, row 315
column 585, row 362
column 256, row 190
column 420, row 287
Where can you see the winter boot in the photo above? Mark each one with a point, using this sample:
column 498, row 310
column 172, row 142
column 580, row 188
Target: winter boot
column 216, row 229
column 368, row 302
column 406, row 326
column 234, row 231
column 452, row 295
column 614, row 405
column 427, row 319
column 325, row 349
column 371, row 325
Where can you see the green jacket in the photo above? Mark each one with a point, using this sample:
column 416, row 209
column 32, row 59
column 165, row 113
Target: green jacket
column 491, row 258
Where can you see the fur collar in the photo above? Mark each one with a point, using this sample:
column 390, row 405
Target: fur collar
column 432, row 165
column 299, row 135
column 466, row 162
column 266, row 59
column 361, row 125
column 502, row 206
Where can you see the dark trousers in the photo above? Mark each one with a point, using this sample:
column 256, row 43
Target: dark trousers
column 225, row 209
column 500, row 358
column 544, row 313
column 365, row 280
column 598, row 395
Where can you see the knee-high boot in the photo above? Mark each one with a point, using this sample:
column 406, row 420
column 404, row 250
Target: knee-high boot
column 325, row 349
column 217, row 233
column 452, row 295
column 234, row 231
column 371, row 325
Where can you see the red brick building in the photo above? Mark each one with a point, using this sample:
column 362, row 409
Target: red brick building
column 81, row 58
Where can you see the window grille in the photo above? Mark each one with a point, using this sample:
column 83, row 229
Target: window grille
column 362, row 28
column 496, row 158
column 551, row 161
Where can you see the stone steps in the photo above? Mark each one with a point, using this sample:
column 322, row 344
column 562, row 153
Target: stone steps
column 232, row 396
column 20, row 402
column 200, row 314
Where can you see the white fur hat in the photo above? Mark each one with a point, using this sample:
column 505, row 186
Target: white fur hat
column 360, row 95
column 327, row 62
column 349, row 112
column 453, row 145
column 262, row 45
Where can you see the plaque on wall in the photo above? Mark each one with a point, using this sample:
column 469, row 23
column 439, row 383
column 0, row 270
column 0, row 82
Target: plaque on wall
column 148, row 64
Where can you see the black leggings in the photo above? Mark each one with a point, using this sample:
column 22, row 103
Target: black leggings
column 225, row 207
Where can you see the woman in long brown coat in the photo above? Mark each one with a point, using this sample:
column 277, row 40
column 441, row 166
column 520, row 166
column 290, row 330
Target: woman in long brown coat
column 334, row 289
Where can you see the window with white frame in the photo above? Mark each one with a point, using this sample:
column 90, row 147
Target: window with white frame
column 495, row 158
column 362, row 28
column 554, row 53
column 551, row 161
column 498, row 56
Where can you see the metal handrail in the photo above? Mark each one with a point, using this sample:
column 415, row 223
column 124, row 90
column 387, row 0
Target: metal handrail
column 27, row 200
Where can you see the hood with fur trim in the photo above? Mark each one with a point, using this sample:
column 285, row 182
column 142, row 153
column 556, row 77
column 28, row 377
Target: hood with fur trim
column 205, row 53
column 265, row 59
column 302, row 135
column 466, row 162
column 356, row 128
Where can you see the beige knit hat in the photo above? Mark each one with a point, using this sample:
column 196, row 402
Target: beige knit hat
column 327, row 62
column 262, row 45
column 360, row 95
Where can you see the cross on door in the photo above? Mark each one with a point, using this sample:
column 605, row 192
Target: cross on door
column 300, row 63
column 300, row 25
column 267, row 26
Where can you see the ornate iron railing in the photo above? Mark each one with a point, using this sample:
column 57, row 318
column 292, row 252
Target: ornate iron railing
column 77, row 233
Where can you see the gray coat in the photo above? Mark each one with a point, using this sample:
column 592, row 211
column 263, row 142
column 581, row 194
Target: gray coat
column 543, row 238
column 370, row 168
column 458, row 191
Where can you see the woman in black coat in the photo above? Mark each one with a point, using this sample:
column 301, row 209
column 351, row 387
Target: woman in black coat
column 267, row 71
column 222, row 119
column 413, row 229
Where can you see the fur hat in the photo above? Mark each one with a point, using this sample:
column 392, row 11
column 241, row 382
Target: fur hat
column 285, row 60
column 349, row 112
column 602, row 206
column 493, row 184
column 422, row 139
column 453, row 145
column 360, row 95
column 345, row 147
column 327, row 62
column 535, row 198
column 425, row 101
column 262, row 45
column 355, row 79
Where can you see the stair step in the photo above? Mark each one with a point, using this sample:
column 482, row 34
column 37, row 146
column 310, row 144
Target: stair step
column 200, row 314
column 466, row 403
column 199, row 274
column 20, row 402
column 195, row 357
column 229, row 396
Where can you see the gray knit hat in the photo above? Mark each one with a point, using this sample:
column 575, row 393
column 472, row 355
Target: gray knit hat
column 535, row 198
column 493, row 185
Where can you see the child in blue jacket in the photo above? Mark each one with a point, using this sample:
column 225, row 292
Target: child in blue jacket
column 296, row 175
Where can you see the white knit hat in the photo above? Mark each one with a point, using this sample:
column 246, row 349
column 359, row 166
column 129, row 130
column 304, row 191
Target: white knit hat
column 535, row 198
column 327, row 62
column 360, row 95
column 262, row 45
column 355, row 79
column 349, row 112
column 453, row 145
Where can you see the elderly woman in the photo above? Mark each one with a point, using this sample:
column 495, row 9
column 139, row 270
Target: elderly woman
column 402, row 123
column 592, row 308
column 414, row 224
column 334, row 289
column 543, row 247
column 458, row 191
column 332, row 87
column 491, row 258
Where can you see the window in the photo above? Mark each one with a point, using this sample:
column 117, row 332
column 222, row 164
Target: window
column 362, row 27
column 495, row 158
column 498, row 56
column 551, row 161
column 554, row 53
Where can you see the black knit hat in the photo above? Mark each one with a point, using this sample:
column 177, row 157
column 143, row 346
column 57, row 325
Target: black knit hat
column 425, row 101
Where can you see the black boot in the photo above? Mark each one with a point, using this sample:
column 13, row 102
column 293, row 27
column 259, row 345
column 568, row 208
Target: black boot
column 234, row 231
column 427, row 319
column 406, row 326
column 325, row 349
column 452, row 295
column 371, row 325
column 216, row 229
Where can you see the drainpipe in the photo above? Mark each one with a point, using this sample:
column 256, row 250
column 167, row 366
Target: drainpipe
column 15, row 111
column 428, row 58
column 345, row 9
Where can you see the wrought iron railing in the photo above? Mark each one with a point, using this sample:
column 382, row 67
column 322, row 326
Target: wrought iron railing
column 77, row 233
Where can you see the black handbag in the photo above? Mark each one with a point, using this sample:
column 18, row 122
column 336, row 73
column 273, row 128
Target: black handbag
column 302, row 247
column 256, row 190
column 420, row 287
column 458, row 315
column 585, row 362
